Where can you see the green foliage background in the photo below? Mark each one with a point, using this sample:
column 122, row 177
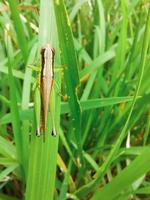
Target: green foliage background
column 100, row 100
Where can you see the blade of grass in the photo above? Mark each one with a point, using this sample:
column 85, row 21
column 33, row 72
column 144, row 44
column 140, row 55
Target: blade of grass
column 75, row 9
column 121, row 49
column 15, row 111
column 64, row 186
column 43, row 155
column 97, row 103
column 25, row 104
column 7, row 149
column 19, row 29
column 99, row 61
column 6, row 162
column 69, row 61
column 16, row 73
column 7, row 171
column 42, row 163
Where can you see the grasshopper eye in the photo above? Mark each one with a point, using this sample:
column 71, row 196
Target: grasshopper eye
column 54, row 132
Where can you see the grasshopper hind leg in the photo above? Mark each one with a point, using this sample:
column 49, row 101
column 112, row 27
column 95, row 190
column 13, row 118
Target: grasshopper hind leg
column 41, row 128
column 38, row 132
column 54, row 133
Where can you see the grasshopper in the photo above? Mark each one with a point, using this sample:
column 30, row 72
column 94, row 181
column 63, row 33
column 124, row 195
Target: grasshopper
column 46, row 79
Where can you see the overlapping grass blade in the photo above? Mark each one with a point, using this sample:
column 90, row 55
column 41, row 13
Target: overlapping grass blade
column 8, row 170
column 69, row 63
column 7, row 149
column 15, row 112
column 99, row 61
column 125, row 178
column 64, row 187
column 19, row 29
column 25, row 104
column 97, row 103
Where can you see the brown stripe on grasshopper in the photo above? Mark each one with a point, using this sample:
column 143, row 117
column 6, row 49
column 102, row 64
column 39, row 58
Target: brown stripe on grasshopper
column 46, row 84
